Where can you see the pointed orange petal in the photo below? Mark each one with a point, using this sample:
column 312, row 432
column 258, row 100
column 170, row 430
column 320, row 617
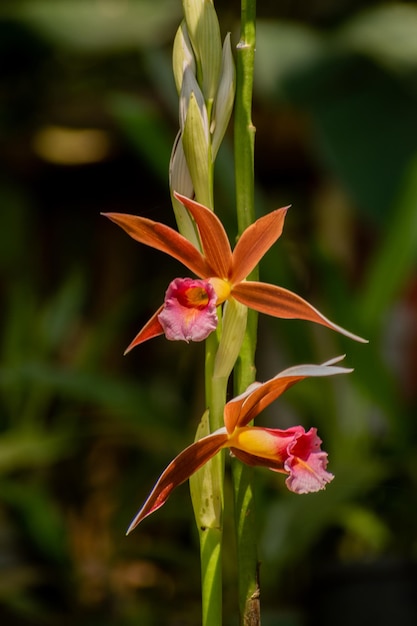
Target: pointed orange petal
column 214, row 239
column 243, row 409
column 280, row 302
column 151, row 329
column 164, row 238
column 233, row 409
column 254, row 242
column 178, row 471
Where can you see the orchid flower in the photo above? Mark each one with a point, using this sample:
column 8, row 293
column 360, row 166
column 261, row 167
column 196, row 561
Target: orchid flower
column 293, row 452
column 217, row 265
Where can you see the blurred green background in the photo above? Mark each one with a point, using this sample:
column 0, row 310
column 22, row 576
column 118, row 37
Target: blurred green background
column 88, row 114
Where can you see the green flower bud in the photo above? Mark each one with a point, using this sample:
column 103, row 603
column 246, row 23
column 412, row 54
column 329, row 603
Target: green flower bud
column 180, row 180
column 182, row 55
column 204, row 32
column 233, row 331
column 195, row 142
column 191, row 86
column 205, row 487
column 223, row 103
column 179, row 175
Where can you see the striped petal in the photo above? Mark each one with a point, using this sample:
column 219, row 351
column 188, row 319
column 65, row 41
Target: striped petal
column 178, row 471
column 164, row 238
column 279, row 302
column 213, row 237
column 151, row 329
column 254, row 242
column 244, row 408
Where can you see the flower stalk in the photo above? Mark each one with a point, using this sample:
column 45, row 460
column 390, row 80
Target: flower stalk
column 204, row 75
column 211, row 478
column 244, row 133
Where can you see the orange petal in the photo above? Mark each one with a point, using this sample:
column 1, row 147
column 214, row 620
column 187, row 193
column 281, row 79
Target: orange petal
column 178, row 471
column 151, row 329
column 254, row 243
column 214, row 239
column 244, row 408
column 164, row 238
column 280, row 302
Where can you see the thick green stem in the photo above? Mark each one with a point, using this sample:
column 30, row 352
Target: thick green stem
column 244, row 128
column 249, row 605
column 211, row 575
column 211, row 536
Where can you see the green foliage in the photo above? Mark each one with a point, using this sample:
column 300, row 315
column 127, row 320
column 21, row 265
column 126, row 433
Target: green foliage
column 84, row 26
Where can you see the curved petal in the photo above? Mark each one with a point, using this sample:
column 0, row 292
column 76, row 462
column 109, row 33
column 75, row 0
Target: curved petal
column 244, row 408
column 164, row 238
column 214, row 239
column 254, row 242
column 280, row 302
column 151, row 329
column 233, row 409
column 178, row 471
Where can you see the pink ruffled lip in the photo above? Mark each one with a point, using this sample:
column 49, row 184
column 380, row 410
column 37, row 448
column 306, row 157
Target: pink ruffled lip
column 189, row 311
column 293, row 451
column 306, row 464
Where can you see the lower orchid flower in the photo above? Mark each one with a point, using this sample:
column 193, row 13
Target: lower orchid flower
column 293, row 452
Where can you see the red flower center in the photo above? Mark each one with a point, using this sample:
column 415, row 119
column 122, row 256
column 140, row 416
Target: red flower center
column 193, row 297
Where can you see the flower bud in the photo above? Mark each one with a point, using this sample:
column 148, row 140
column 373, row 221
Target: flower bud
column 180, row 181
column 182, row 55
column 191, row 86
column 204, row 32
column 195, row 142
column 223, row 103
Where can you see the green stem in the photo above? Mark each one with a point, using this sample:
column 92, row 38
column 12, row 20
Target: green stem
column 249, row 605
column 211, row 575
column 244, row 128
column 211, row 536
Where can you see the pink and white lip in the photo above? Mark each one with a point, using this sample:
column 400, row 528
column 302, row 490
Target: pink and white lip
column 189, row 311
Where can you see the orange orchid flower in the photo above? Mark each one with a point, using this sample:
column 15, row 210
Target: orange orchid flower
column 293, row 452
column 224, row 269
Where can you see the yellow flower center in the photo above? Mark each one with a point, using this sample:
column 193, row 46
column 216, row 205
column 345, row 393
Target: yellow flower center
column 256, row 441
column 222, row 289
